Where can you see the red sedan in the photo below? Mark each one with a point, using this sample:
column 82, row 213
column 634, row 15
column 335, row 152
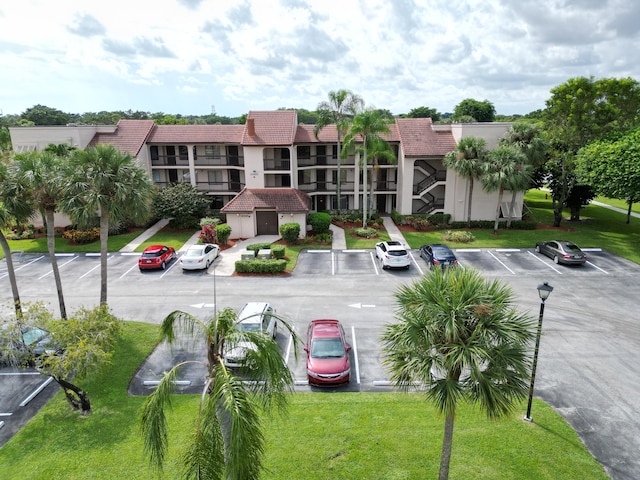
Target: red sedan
column 327, row 353
column 156, row 256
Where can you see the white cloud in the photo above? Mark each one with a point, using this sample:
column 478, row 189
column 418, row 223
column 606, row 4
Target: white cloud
column 182, row 57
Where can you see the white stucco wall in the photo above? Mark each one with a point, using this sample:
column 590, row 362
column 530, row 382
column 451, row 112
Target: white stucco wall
column 38, row 138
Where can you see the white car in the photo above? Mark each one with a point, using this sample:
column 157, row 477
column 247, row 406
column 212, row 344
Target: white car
column 392, row 255
column 199, row 256
column 253, row 317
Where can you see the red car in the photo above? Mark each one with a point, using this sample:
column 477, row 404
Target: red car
column 327, row 353
column 156, row 256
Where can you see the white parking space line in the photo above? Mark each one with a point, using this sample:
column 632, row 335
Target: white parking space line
column 59, row 266
column 595, row 266
column 375, row 264
column 23, row 266
column 288, row 349
column 170, row 268
column 36, row 392
column 15, row 374
column 507, row 249
column 468, row 250
column 97, row 266
column 591, row 249
column 3, row 414
column 416, row 263
column 355, row 354
column 333, row 263
column 125, row 273
column 545, row 263
column 1, row 424
column 501, row 263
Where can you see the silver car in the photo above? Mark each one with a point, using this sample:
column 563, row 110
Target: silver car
column 253, row 317
column 199, row 256
column 392, row 255
column 562, row 251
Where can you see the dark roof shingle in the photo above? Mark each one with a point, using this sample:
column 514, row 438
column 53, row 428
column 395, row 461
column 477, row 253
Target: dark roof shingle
column 129, row 137
column 271, row 128
column 173, row 134
column 418, row 138
column 287, row 200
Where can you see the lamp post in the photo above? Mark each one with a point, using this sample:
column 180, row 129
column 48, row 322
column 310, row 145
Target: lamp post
column 544, row 290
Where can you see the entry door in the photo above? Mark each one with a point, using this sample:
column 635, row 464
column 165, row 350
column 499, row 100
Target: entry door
column 267, row 222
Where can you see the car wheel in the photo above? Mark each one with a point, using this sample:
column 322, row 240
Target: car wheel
column 163, row 265
column 556, row 259
column 537, row 248
column 407, row 267
column 384, row 267
column 206, row 267
column 275, row 332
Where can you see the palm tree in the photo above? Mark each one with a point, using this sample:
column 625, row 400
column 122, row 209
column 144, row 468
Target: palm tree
column 14, row 207
column 467, row 160
column 365, row 129
column 460, row 336
column 228, row 441
column 43, row 176
column 109, row 182
column 339, row 110
column 527, row 137
column 378, row 149
column 501, row 171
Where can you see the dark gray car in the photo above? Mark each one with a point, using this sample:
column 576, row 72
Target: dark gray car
column 562, row 251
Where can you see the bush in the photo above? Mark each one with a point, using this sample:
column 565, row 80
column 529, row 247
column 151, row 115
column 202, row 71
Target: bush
column 440, row 218
column 207, row 234
column 458, row 236
column 212, row 221
column 397, row 218
column 258, row 246
column 223, row 232
column 290, row 232
column 261, row 266
column 182, row 202
column 82, row 236
column 366, row 232
column 320, row 221
column 277, row 251
column 324, row 237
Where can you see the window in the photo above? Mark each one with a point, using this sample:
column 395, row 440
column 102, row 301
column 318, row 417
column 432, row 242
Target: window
column 183, row 152
column 304, row 152
column 334, row 176
column 211, row 151
column 215, row 177
column 154, row 152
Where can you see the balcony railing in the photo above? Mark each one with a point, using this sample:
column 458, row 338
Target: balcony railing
column 345, row 187
column 320, row 160
column 219, row 186
column 273, row 164
column 219, row 160
column 384, row 186
column 169, row 160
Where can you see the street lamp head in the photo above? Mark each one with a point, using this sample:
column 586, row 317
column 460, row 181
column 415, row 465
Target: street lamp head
column 544, row 290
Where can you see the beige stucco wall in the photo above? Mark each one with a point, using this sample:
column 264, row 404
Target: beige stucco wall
column 38, row 138
column 299, row 218
column 253, row 167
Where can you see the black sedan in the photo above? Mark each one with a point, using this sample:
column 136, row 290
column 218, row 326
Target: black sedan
column 562, row 251
column 438, row 255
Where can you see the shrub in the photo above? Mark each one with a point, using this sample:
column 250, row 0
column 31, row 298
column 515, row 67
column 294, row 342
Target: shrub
column 207, row 234
column 366, row 232
column 182, row 202
column 261, row 266
column 258, row 246
column 397, row 218
column 523, row 225
column 458, row 236
column 223, row 232
column 277, row 251
column 290, row 232
column 440, row 218
column 421, row 224
column 320, row 221
column 324, row 237
column 213, row 221
column 82, row 236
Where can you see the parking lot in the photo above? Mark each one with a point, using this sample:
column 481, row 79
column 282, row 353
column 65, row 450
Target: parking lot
column 589, row 351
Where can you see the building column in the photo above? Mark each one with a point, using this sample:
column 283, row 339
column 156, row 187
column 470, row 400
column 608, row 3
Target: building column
column 192, row 166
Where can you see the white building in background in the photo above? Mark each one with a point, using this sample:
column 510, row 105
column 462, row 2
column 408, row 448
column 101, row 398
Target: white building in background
column 272, row 170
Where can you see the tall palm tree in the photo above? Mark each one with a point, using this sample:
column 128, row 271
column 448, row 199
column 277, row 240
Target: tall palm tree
column 228, row 442
column 14, row 207
column 528, row 138
column 378, row 149
column 339, row 110
column 44, row 175
column 467, row 160
column 109, row 182
column 501, row 171
column 365, row 130
column 460, row 336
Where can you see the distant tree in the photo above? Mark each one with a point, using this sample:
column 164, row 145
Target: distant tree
column 41, row 115
column 481, row 111
column 164, row 119
column 5, row 141
column 579, row 197
column 467, row 161
column 424, row 112
column 242, row 119
column 182, row 202
column 461, row 337
column 100, row 118
column 304, row 116
column 612, row 167
column 339, row 110
column 105, row 180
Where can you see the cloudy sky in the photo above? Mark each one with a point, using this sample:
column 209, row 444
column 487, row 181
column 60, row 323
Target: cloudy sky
column 199, row 56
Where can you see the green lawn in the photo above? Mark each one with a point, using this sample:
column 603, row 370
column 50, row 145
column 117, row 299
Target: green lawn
column 325, row 436
column 619, row 204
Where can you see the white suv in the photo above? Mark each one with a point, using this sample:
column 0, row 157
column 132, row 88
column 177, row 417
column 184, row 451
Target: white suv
column 253, row 317
column 393, row 255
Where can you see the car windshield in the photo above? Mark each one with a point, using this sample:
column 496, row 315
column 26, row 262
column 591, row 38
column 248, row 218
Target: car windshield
column 193, row 252
column 397, row 253
column 33, row 335
column 442, row 252
column 327, row 348
column 249, row 327
column 571, row 247
column 151, row 254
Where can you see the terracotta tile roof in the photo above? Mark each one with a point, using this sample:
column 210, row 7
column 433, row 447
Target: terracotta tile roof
column 418, row 138
column 129, row 137
column 329, row 134
column 287, row 200
column 270, row 128
column 209, row 134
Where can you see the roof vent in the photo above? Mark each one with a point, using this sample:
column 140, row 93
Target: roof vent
column 251, row 127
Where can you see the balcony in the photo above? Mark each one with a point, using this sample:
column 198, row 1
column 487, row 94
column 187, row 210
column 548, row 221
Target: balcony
column 345, row 187
column 277, row 164
column 169, row 161
column 218, row 161
column 219, row 186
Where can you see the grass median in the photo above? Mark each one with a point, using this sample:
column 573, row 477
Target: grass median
column 326, row 435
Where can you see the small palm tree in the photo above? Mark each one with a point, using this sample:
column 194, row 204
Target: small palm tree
column 109, row 182
column 467, row 160
column 339, row 110
column 365, row 129
column 42, row 177
column 502, row 171
column 227, row 442
column 461, row 337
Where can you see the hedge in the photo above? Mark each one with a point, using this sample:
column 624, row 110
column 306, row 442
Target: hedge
column 261, row 266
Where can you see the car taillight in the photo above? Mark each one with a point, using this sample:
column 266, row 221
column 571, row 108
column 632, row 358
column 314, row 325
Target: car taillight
column 566, row 256
column 436, row 262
